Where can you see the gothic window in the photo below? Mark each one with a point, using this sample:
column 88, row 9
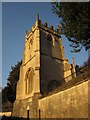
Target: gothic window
column 29, row 80
column 30, row 43
column 49, row 38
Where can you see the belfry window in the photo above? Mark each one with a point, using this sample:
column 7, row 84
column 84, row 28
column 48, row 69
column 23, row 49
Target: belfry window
column 49, row 38
column 29, row 80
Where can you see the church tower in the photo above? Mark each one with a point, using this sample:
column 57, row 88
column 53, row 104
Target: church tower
column 44, row 67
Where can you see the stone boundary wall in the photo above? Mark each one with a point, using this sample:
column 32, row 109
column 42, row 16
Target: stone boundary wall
column 70, row 103
column 5, row 113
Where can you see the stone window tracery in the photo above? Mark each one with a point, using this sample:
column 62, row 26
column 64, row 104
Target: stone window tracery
column 30, row 43
column 51, row 39
column 29, row 80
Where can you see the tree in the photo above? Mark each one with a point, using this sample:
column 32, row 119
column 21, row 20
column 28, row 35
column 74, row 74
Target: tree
column 74, row 23
column 12, row 81
column 4, row 94
column 84, row 68
column 5, row 104
column 86, row 65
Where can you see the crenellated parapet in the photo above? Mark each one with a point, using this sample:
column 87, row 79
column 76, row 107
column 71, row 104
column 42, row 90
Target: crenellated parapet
column 49, row 28
column 39, row 25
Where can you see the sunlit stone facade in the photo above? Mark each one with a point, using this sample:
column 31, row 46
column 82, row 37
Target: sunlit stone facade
column 44, row 68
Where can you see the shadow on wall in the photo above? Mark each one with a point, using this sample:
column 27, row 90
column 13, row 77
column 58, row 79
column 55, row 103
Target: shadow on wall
column 14, row 118
column 51, row 64
column 18, row 118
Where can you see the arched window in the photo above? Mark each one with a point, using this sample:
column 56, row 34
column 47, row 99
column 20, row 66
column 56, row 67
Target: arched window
column 30, row 43
column 51, row 40
column 29, row 80
column 49, row 37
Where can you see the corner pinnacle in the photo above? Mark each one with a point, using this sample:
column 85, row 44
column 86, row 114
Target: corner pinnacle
column 37, row 16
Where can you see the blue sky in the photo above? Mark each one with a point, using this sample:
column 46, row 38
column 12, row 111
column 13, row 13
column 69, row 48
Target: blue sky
column 16, row 19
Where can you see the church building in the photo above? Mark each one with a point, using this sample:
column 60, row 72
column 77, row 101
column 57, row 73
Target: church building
column 44, row 68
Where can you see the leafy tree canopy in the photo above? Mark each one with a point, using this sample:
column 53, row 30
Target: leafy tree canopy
column 74, row 23
column 12, row 81
column 13, row 76
column 4, row 94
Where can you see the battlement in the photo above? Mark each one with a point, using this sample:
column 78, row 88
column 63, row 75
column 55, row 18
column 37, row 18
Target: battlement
column 39, row 24
column 49, row 28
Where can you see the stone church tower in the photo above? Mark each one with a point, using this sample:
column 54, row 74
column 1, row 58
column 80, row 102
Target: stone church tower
column 44, row 68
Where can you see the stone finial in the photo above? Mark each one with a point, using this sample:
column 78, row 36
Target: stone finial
column 58, row 28
column 37, row 16
column 26, row 31
column 38, row 21
column 72, row 61
column 45, row 24
column 27, row 107
column 51, row 27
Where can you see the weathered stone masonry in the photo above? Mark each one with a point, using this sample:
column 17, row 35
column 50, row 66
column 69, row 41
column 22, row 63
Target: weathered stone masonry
column 44, row 68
